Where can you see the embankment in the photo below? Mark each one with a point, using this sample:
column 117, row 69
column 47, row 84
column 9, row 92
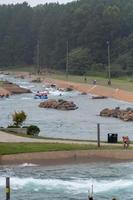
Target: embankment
column 63, row 157
column 95, row 89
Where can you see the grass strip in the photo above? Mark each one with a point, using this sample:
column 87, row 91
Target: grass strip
column 15, row 148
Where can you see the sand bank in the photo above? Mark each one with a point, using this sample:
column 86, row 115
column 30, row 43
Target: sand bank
column 63, row 157
column 95, row 89
column 8, row 88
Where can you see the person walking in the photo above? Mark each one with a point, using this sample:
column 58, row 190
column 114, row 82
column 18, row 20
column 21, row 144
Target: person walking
column 85, row 79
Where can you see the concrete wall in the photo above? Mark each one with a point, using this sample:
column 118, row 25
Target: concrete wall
column 58, row 157
column 15, row 130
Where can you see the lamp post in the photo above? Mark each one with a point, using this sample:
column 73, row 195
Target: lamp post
column 109, row 74
column 67, row 60
column 38, row 58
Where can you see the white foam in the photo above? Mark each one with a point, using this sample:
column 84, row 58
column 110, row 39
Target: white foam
column 57, row 93
column 22, row 86
column 28, row 165
column 31, row 86
column 26, row 98
column 75, row 186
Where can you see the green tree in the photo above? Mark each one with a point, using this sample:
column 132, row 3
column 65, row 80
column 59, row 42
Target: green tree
column 79, row 61
column 86, row 24
column 18, row 118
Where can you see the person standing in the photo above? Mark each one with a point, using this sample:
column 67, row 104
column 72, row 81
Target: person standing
column 125, row 141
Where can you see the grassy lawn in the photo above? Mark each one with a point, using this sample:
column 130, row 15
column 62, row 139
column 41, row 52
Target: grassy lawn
column 15, row 148
column 123, row 83
column 19, row 69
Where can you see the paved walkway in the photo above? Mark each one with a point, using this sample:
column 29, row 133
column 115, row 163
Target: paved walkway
column 10, row 138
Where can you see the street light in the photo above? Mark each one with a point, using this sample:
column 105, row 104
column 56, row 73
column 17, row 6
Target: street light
column 109, row 74
column 67, row 60
column 38, row 58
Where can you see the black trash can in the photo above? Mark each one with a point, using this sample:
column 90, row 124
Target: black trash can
column 112, row 137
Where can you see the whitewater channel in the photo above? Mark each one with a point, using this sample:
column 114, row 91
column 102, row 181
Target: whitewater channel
column 75, row 124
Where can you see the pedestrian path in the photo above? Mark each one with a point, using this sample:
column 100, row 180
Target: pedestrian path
column 11, row 138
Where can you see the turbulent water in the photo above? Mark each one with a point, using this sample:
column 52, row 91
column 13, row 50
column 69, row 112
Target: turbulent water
column 78, row 124
column 69, row 182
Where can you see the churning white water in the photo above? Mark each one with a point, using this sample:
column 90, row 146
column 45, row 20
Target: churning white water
column 70, row 181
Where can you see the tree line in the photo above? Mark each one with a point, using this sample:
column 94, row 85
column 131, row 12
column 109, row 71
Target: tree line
column 82, row 27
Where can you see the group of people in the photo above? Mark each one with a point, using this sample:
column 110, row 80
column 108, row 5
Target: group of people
column 41, row 95
column 94, row 82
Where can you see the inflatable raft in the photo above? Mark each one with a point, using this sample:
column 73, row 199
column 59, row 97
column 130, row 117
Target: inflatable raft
column 41, row 95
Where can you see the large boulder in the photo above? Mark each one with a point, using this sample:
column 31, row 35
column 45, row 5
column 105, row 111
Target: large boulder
column 106, row 112
column 60, row 104
column 69, row 89
column 125, row 115
column 37, row 80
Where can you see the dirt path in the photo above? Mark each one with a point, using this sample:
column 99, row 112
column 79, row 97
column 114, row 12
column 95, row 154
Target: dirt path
column 95, row 89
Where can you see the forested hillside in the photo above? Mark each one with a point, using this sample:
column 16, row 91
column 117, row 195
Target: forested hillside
column 85, row 25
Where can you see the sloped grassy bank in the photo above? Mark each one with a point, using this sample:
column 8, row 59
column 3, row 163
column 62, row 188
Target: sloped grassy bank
column 16, row 148
column 55, row 153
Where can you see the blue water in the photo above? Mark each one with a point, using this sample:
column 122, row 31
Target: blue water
column 69, row 182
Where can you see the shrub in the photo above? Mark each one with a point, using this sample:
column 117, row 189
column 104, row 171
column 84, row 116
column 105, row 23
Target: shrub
column 13, row 126
column 33, row 130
